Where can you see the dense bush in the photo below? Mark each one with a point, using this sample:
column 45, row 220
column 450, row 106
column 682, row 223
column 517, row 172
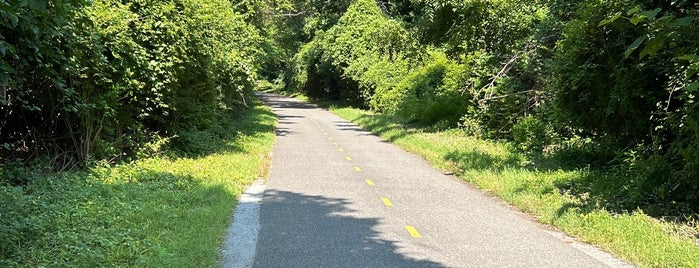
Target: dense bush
column 333, row 65
column 620, row 75
column 428, row 94
column 622, row 72
column 589, row 56
column 36, row 40
column 531, row 134
column 92, row 80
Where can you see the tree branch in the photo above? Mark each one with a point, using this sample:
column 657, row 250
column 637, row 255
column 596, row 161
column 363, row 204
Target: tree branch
column 288, row 15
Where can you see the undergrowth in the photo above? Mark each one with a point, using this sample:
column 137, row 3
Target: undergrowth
column 590, row 204
column 164, row 211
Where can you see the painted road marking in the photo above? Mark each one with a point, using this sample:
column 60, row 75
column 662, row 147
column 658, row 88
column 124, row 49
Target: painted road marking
column 331, row 139
column 348, row 158
column 334, row 143
column 357, row 169
column 242, row 235
column 413, row 232
column 370, row 182
column 386, row 202
column 340, row 149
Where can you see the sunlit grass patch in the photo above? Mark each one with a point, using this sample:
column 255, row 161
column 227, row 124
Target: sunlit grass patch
column 165, row 211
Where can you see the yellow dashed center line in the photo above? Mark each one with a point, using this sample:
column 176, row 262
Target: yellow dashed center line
column 386, row 202
column 413, row 232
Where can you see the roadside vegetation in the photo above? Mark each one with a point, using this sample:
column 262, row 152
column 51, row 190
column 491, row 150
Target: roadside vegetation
column 168, row 210
column 581, row 201
column 615, row 81
column 127, row 129
column 113, row 113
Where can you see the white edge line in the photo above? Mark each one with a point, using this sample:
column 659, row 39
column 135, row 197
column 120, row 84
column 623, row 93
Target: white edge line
column 241, row 239
column 592, row 251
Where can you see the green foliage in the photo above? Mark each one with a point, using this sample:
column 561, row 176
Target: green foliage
column 35, row 45
column 643, row 54
column 345, row 62
column 155, row 212
column 498, row 27
column 429, row 94
column 334, row 63
column 609, row 85
column 588, row 57
column 531, row 134
column 619, row 75
column 92, row 80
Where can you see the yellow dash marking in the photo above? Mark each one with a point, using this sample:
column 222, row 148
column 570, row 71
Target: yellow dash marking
column 357, row 169
column 386, row 202
column 340, row 149
column 413, row 232
column 331, row 139
column 334, row 143
column 370, row 182
column 325, row 133
column 348, row 158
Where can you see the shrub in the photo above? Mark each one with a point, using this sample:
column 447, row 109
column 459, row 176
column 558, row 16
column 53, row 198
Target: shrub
column 531, row 134
column 77, row 76
column 424, row 96
column 333, row 65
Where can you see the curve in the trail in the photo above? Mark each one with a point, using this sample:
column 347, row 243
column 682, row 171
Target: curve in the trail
column 338, row 196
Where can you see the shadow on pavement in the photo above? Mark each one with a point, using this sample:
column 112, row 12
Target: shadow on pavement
column 282, row 102
column 357, row 130
column 320, row 232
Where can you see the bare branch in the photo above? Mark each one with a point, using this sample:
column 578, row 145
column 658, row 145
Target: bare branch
column 503, row 72
column 507, row 95
column 288, row 15
column 505, row 69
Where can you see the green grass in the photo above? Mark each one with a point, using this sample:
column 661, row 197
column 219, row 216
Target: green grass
column 545, row 191
column 155, row 212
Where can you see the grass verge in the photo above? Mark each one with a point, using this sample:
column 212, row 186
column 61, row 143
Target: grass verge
column 544, row 190
column 155, row 212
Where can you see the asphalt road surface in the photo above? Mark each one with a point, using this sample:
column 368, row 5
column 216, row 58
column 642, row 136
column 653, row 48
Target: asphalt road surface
column 338, row 196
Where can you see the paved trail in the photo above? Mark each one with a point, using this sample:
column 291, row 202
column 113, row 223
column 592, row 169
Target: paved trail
column 338, row 196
